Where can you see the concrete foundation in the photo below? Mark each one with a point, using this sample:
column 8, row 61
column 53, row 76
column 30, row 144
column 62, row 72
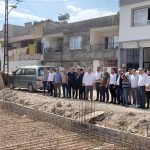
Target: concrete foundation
column 131, row 141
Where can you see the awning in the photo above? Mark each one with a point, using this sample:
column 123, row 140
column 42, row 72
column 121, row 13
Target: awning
column 130, row 45
column 23, row 38
column 145, row 43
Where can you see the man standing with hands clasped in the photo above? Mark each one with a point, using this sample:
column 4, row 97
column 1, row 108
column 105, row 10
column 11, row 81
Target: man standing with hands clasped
column 98, row 76
column 88, row 82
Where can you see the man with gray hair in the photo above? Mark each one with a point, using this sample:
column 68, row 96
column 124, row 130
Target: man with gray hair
column 134, row 87
column 88, row 82
column 141, row 87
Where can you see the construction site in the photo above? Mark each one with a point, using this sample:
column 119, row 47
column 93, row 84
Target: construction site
column 31, row 121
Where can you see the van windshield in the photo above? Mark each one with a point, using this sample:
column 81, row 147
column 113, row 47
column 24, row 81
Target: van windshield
column 41, row 70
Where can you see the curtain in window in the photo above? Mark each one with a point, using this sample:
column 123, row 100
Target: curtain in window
column 140, row 16
column 76, row 42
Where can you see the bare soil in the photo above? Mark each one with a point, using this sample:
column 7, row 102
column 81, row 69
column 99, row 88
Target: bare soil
column 131, row 120
column 20, row 133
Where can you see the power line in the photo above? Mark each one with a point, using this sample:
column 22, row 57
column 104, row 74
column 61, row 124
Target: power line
column 50, row 2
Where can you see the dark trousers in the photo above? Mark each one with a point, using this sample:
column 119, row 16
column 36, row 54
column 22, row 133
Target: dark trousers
column 97, row 90
column 44, row 86
column 113, row 93
column 147, row 98
column 81, row 92
column 141, row 96
column 50, row 88
column 65, row 89
column 119, row 93
column 103, row 91
column 134, row 92
column 71, row 89
column 76, row 91
column 125, row 96
column 89, row 89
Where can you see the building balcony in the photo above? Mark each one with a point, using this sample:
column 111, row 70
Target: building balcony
column 50, row 49
column 24, row 54
column 99, row 47
column 80, row 55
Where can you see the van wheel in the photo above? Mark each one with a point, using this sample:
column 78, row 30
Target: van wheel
column 30, row 88
column 11, row 86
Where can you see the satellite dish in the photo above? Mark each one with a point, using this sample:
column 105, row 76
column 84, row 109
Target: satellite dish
column 64, row 17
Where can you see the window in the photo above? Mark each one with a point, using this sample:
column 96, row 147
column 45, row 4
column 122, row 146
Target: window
column 31, row 72
column 132, row 58
column 141, row 17
column 111, row 42
column 18, row 72
column 76, row 42
column 24, row 72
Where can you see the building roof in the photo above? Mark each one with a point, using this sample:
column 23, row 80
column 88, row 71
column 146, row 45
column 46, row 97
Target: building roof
column 22, row 38
column 128, row 2
column 106, row 21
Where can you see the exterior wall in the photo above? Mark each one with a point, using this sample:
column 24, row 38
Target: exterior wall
column 38, row 28
column 95, row 37
column 93, row 31
column 15, row 30
column 128, row 2
column 85, row 39
column 84, row 25
column 127, row 32
column 13, row 65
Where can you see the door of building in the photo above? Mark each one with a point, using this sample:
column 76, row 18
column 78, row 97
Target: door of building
column 132, row 56
column 146, row 63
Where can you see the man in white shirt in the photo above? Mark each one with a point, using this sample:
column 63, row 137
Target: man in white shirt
column 147, row 86
column 141, row 87
column 112, row 85
column 50, row 82
column 119, row 90
column 98, row 76
column 134, row 78
column 88, row 82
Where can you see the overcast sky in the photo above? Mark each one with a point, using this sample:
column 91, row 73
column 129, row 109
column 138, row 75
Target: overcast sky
column 37, row 10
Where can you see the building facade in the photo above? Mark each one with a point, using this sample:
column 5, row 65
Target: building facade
column 134, row 34
column 92, row 42
column 25, row 47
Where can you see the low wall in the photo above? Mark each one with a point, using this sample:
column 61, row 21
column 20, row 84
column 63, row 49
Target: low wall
column 131, row 141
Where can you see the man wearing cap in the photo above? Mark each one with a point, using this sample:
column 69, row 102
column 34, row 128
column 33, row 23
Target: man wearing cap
column 141, row 87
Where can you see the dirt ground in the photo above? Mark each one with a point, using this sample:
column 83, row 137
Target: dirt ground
column 131, row 120
column 20, row 133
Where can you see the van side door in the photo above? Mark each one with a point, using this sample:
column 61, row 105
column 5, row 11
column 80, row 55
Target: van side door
column 24, row 81
column 17, row 78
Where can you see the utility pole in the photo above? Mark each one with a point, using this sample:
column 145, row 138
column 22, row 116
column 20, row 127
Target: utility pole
column 6, row 57
column 6, row 41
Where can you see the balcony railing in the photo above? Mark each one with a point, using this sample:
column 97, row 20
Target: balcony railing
column 50, row 49
column 103, row 46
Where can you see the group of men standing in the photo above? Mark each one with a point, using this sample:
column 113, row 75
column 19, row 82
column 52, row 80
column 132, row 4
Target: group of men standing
column 126, row 88
column 70, row 82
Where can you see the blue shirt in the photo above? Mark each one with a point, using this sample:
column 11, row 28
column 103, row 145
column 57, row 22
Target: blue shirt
column 57, row 78
column 134, row 80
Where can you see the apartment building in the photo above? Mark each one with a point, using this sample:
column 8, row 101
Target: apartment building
column 92, row 42
column 134, row 34
column 25, row 47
